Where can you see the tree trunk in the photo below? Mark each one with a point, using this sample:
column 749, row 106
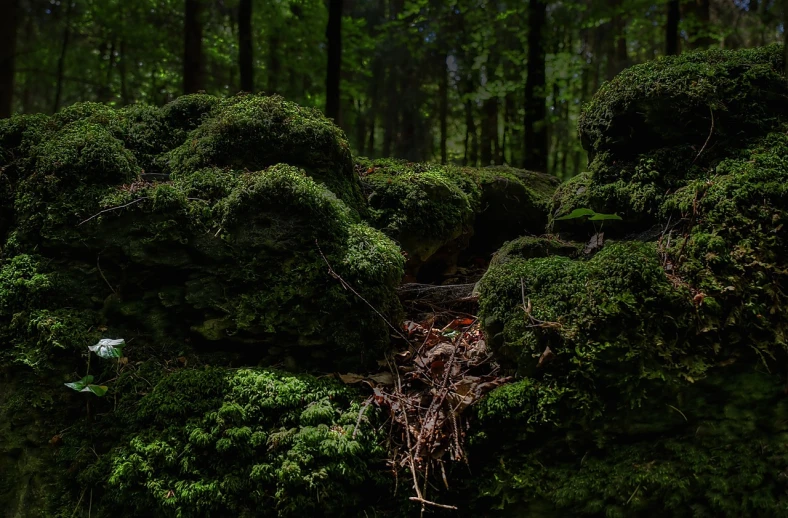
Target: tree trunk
column 61, row 62
column 334, row 70
column 471, row 138
column 785, row 39
column 245, row 57
column 192, row 52
column 123, row 71
column 8, row 27
column 535, row 108
column 672, row 28
column 701, row 14
column 443, row 108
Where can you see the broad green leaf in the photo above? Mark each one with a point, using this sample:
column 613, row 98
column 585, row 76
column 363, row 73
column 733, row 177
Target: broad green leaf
column 604, row 217
column 577, row 213
column 98, row 390
column 108, row 348
column 80, row 385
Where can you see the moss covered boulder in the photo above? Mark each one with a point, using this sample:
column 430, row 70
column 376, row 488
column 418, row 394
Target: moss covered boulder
column 438, row 212
column 652, row 372
column 216, row 252
column 662, row 124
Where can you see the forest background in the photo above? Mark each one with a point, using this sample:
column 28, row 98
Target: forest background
column 473, row 82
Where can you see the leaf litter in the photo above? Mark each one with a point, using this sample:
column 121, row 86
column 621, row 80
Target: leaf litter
column 425, row 391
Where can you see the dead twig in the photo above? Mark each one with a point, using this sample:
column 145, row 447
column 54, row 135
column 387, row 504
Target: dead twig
column 112, row 209
column 350, row 288
column 711, row 130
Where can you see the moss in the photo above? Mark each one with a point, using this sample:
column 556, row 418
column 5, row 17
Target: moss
column 529, row 247
column 720, row 452
column 249, row 132
column 427, row 207
column 618, row 306
column 733, row 252
column 246, row 442
column 638, row 110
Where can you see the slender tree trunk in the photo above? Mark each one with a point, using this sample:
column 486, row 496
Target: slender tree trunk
column 274, row 64
column 785, row 39
column 8, row 28
column 701, row 14
column 471, row 137
column 334, row 70
column 374, row 94
column 672, row 28
column 192, row 54
column 61, row 62
column 123, row 72
column 392, row 113
column 535, row 110
column 443, row 108
column 245, row 46
column 106, row 95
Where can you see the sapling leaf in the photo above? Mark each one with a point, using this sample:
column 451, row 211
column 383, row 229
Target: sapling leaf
column 108, row 348
column 577, row 213
column 80, row 385
column 604, row 217
column 98, row 390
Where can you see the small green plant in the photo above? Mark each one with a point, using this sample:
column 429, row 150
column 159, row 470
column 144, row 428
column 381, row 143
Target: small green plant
column 598, row 239
column 105, row 348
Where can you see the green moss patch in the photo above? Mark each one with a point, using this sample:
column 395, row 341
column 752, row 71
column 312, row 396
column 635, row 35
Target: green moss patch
column 245, row 442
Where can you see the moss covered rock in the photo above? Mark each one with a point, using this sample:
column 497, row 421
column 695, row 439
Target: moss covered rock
column 430, row 208
column 672, row 100
column 652, row 373
column 212, row 254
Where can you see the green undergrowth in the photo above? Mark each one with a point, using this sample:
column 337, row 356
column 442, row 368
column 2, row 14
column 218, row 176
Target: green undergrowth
column 246, row 442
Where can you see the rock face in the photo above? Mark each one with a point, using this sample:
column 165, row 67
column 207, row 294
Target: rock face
column 653, row 371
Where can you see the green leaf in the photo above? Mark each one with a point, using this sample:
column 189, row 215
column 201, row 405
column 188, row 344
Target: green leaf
column 604, row 217
column 577, row 213
column 80, row 385
column 98, row 390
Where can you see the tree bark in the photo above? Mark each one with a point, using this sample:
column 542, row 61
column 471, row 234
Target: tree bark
column 535, row 109
column 192, row 53
column 245, row 47
column 61, row 62
column 8, row 29
column 443, row 108
column 701, row 12
column 672, row 28
column 123, row 72
column 785, row 39
column 334, row 70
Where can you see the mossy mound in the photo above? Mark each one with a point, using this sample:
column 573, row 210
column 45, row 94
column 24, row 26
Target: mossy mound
column 672, row 100
column 211, row 254
column 255, row 132
column 652, row 373
column 430, row 208
column 248, row 442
